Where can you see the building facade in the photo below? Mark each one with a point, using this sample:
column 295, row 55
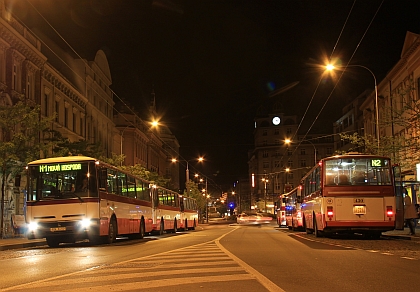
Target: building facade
column 281, row 157
column 77, row 92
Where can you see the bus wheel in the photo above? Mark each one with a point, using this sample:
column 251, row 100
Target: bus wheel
column 112, row 232
column 316, row 231
column 142, row 229
column 186, row 225
column 194, row 225
column 308, row 231
column 53, row 241
column 162, row 227
column 175, row 226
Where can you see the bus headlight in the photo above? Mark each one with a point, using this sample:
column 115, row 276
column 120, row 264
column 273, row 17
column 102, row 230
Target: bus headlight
column 85, row 223
column 32, row 226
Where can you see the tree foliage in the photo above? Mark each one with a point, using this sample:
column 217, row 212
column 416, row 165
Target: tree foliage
column 20, row 129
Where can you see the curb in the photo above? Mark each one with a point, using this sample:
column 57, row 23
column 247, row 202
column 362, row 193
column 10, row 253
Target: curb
column 22, row 245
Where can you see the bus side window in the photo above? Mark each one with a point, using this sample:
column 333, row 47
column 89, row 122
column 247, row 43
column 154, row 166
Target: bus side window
column 102, row 179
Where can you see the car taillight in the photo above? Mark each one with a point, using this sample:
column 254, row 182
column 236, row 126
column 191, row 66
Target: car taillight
column 389, row 211
column 330, row 212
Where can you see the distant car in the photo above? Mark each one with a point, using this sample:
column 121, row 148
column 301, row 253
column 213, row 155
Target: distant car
column 253, row 218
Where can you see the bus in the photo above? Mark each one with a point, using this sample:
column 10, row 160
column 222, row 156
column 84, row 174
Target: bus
column 293, row 212
column 351, row 193
column 281, row 212
column 78, row 197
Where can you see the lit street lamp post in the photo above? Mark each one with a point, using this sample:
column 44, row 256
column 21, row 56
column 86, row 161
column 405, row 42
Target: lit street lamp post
column 331, row 67
column 265, row 180
column 187, row 170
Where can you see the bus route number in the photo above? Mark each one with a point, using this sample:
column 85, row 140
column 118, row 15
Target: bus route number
column 358, row 200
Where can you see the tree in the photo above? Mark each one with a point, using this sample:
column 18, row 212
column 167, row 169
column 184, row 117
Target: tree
column 20, row 129
column 192, row 191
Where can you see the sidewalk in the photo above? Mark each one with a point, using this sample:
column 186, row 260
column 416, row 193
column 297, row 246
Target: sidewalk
column 22, row 242
column 403, row 234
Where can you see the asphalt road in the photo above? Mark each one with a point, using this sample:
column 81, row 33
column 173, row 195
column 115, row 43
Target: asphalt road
column 217, row 258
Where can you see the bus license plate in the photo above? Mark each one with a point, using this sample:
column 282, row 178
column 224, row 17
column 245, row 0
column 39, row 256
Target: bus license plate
column 53, row 229
column 359, row 210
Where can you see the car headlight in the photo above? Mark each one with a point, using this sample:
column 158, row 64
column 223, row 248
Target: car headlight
column 32, row 226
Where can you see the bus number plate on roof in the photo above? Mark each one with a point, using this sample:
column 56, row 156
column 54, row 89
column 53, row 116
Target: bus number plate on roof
column 359, row 210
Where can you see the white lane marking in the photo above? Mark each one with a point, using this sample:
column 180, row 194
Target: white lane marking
column 260, row 277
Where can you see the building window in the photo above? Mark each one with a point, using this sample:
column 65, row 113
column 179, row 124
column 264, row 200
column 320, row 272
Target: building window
column 57, row 111
column 66, row 117
column 290, row 164
column 303, row 163
column 265, row 154
column 265, row 164
column 276, row 131
column 74, row 122
column 81, row 126
column 14, row 77
column 289, row 152
column 264, row 133
column 329, row 150
column 302, row 151
column 277, row 142
column 276, row 163
column 46, row 105
column 28, row 86
column 289, row 131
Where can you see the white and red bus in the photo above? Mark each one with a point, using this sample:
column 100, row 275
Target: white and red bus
column 352, row 193
column 78, row 197
column 293, row 212
column 281, row 212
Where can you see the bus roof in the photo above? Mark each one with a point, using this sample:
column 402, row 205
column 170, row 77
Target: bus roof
column 62, row 159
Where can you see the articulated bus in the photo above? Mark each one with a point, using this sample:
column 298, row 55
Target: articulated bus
column 352, row 193
column 293, row 201
column 78, row 197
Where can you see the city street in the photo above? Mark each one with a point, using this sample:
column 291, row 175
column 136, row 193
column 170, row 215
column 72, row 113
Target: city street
column 213, row 257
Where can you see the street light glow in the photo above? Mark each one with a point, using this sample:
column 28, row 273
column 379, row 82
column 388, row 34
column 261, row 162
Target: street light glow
column 331, row 67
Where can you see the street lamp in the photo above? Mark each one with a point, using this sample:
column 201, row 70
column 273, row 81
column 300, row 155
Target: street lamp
column 331, row 67
column 187, row 171
column 265, row 181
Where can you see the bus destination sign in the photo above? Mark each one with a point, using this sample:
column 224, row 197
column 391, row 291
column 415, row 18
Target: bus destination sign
column 60, row 167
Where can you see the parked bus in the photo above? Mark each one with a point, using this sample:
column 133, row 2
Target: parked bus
column 293, row 212
column 352, row 193
column 78, row 197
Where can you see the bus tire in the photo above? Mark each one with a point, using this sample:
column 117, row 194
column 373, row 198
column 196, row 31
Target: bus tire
column 316, row 231
column 112, row 232
column 194, row 225
column 186, row 225
column 307, row 230
column 53, row 241
column 175, row 226
column 161, row 227
column 142, row 231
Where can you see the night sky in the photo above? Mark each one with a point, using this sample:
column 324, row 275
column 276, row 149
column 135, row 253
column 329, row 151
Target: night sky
column 213, row 63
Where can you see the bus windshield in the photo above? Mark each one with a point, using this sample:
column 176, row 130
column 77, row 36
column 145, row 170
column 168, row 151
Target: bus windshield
column 357, row 171
column 61, row 181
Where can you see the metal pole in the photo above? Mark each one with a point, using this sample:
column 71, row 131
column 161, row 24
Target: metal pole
column 187, row 175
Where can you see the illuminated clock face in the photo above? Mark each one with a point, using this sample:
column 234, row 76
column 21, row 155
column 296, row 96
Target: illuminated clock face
column 276, row 121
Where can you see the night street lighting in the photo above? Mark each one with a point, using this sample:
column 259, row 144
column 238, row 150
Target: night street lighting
column 187, row 171
column 331, row 67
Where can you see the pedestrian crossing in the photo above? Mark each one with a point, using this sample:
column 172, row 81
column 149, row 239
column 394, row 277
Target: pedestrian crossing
column 204, row 266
